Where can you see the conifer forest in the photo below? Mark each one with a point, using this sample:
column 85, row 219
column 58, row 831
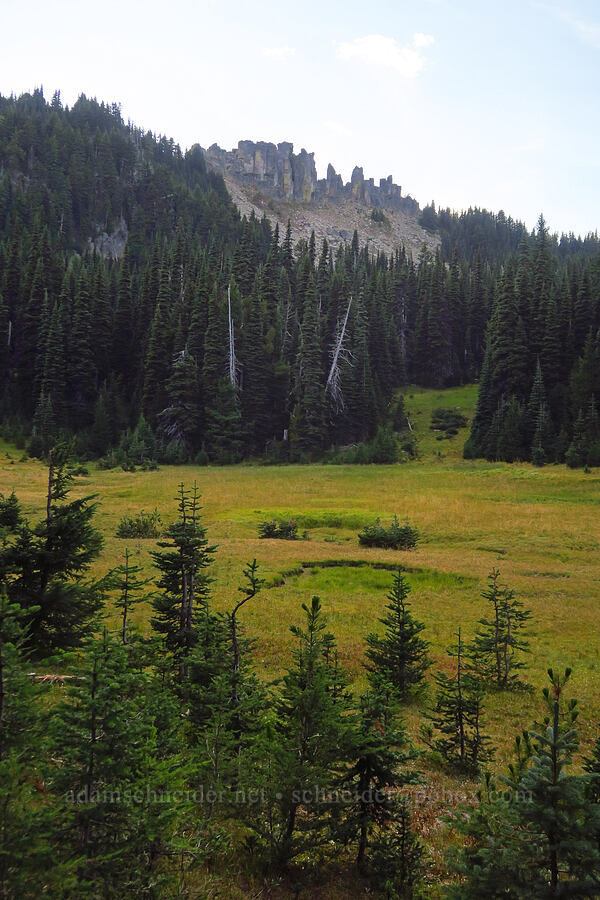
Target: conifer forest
column 172, row 724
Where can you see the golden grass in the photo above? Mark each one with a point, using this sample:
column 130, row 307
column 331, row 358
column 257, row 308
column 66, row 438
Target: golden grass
column 539, row 526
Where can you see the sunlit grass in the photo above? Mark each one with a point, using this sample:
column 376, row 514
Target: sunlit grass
column 539, row 526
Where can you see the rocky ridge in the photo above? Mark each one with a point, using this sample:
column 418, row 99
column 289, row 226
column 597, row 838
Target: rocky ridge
column 273, row 180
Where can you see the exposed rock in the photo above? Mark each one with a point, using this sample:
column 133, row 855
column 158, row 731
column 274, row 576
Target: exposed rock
column 272, row 180
column 286, row 175
column 111, row 246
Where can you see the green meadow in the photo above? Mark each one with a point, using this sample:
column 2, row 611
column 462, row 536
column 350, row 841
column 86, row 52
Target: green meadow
column 540, row 527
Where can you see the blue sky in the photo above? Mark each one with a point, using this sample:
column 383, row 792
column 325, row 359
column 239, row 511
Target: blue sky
column 467, row 103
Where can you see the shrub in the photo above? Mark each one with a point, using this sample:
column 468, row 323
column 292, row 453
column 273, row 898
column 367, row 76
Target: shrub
column 384, row 446
column 9, row 512
column 398, row 415
column 276, row 452
column 285, row 531
column 378, row 215
column 144, row 525
column 136, row 448
column 175, row 453
column 394, row 537
column 201, row 458
column 382, row 449
column 448, row 421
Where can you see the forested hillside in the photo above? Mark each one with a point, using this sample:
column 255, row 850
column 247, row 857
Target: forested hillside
column 541, row 371
column 178, row 720
column 141, row 314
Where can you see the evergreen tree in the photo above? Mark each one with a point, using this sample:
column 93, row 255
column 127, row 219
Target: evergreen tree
column 126, row 580
column 123, row 351
column 398, row 859
column 538, row 837
column 256, row 399
column 81, row 362
column 399, row 658
column 307, row 426
column 544, row 444
column 456, row 720
column 157, row 365
column 183, row 584
column 46, row 566
column 300, row 753
column 224, row 426
column 180, row 422
column 537, row 399
column 591, row 765
column 53, row 383
column 24, row 823
column 4, row 355
column 509, row 445
column 499, row 641
column 374, row 777
column 103, row 741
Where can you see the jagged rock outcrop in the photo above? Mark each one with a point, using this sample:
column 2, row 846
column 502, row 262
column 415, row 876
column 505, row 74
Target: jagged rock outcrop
column 279, row 172
column 270, row 179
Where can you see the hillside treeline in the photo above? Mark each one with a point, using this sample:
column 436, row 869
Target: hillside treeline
column 200, row 334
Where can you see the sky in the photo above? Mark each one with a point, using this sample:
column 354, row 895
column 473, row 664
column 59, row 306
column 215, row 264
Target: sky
column 465, row 102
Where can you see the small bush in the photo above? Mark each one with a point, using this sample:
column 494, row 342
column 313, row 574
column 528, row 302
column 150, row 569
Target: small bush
column 175, row 453
column 448, row 421
column 285, row 531
column 10, row 514
column 394, row 537
column 384, row 446
column 78, row 469
column 201, row 458
column 378, row 215
column 144, row 525
column 382, row 449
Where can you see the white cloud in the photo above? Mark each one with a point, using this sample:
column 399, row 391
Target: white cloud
column 588, row 32
column 338, row 128
column 422, row 40
column 279, row 53
column 385, row 52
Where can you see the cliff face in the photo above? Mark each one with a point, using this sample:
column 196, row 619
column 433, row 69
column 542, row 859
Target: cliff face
column 272, row 180
column 279, row 172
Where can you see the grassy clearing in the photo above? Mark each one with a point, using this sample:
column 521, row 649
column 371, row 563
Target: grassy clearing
column 540, row 527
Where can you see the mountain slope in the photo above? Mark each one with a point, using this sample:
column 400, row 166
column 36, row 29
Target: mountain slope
column 268, row 179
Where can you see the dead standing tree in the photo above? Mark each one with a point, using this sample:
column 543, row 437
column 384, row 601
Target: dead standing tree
column 339, row 353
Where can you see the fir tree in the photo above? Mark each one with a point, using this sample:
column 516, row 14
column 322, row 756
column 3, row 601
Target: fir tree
column 158, row 358
column 456, row 720
column 123, row 354
column 81, row 361
column 180, row 422
column 499, row 641
column 298, row 756
column 4, row 355
column 307, row 428
column 46, row 567
column 509, row 445
column 256, row 399
column 53, row 383
column 126, row 580
column 184, row 586
column 380, row 768
column 400, row 657
column 224, row 427
column 103, row 741
column 24, row 823
column 538, row 838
